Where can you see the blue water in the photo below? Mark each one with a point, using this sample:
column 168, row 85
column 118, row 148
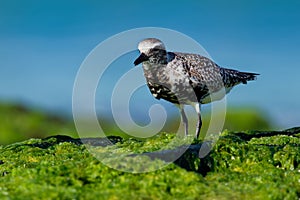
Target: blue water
column 42, row 45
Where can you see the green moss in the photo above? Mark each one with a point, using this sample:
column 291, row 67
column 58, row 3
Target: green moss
column 59, row 168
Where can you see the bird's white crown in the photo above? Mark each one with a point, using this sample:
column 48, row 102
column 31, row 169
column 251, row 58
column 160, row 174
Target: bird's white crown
column 150, row 43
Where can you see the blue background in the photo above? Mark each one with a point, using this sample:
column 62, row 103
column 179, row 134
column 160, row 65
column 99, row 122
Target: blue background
column 43, row 43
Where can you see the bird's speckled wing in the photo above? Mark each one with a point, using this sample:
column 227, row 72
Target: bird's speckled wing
column 204, row 74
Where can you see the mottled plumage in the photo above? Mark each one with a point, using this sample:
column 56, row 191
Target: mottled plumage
column 184, row 78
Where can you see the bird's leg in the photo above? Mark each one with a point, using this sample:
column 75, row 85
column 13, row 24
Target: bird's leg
column 199, row 123
column 184, row 119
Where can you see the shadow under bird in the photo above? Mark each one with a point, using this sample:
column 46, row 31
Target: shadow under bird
column 185, row 78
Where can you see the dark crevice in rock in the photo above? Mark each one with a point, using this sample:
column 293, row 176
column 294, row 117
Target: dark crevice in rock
column 46, row 143
column 184, row 156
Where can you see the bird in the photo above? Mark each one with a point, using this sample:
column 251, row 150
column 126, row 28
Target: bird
column 186, row 78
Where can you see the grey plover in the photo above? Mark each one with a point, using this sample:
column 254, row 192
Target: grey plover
column 185, row 78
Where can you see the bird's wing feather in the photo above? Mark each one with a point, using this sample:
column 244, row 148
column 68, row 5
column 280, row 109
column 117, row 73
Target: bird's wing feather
column 204, row 73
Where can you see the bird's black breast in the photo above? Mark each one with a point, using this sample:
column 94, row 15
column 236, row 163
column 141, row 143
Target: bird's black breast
column 162, row 92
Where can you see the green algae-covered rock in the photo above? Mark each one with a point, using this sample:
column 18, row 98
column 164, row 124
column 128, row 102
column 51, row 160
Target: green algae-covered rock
column 251, row 165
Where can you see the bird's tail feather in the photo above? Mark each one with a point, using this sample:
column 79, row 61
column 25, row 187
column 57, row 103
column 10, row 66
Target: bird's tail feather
column 232, row 77
column 246, row 76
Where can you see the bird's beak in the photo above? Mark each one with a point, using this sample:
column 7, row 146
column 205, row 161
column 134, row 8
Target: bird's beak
column 141, row 59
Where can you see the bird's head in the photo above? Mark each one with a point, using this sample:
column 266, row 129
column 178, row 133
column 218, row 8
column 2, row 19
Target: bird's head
column 149, row 47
